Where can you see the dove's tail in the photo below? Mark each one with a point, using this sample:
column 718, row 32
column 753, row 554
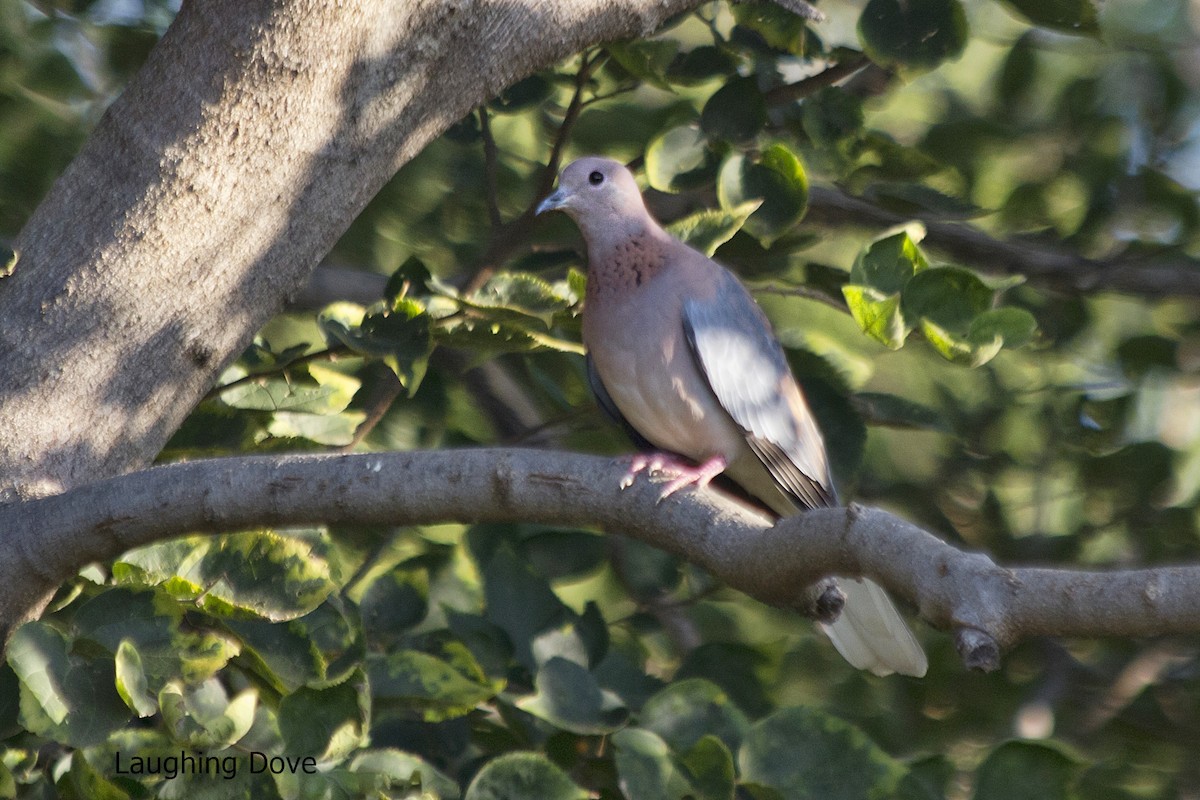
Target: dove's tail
column 871, row 635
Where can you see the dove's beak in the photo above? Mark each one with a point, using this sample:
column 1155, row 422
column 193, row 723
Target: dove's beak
column 554, row 201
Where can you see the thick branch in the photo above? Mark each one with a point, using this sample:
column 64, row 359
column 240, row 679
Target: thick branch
column 1044, row 263
column 253, row 135
column 987, row 607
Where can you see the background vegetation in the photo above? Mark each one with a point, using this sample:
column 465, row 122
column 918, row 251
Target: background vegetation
column 1000, row 394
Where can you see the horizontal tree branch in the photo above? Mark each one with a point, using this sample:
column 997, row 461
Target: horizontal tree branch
column 1044, row 263
column 986, row 606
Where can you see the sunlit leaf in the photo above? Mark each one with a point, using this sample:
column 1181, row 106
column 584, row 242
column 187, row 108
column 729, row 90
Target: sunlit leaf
column 425, row 684
column 887, row 264
column 679, row 158
column 877, row 314
column 778, row 179
column 707, row 230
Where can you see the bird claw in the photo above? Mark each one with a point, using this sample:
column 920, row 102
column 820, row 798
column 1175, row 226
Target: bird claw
column 685, row 473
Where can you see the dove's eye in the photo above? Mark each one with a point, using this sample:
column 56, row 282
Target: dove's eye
column 596, row 178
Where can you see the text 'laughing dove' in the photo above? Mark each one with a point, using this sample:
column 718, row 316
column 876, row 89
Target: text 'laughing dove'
column 681, row 354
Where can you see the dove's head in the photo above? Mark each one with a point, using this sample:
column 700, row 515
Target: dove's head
column 596, row 191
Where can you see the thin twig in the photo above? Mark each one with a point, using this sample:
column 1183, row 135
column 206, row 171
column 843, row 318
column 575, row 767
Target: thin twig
column 378, row 403
column 806, row 292
column 317, row 355
column 791, row 92
column 508, row 237
column 489, row 169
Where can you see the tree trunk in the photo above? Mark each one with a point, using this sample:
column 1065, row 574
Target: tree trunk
column 253, row 135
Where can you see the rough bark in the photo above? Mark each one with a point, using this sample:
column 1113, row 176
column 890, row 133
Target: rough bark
column 986, row 606
column 253, row 135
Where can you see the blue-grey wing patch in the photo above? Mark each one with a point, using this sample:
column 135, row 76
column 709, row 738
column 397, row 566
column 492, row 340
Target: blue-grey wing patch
column 744, row 365
column 605, row 401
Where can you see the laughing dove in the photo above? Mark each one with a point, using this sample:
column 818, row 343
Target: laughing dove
column 683, row 357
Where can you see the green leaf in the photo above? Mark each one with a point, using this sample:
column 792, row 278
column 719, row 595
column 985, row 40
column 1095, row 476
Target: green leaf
column 1066, row 16
column 523, row 94
column 259, row 573
column 279, row 653
column 928, row 778
column 735, row 667
column 949, row 296
column 487, row 642
column 645, row 768
column 1018, row 75
column 877, row 314
column 1026, row 769
column 577, row 283
column 410, row 276
column 488, row 338
column 679, row 159
column 560, row 554
column 915, row 199
column 1139, row 355
column 519, row 296
column 315, row 389
column 700, row 65
column 803, row 753
column 890, row 411
column 888, row 263
column 958, row 348
column 736, row 112
column 568, row 697
column 401, row 335
column 626, row 678
column 203, row 716
column 85, row 782
column 63, row 696
column 334, row 431
column 709, row 229
column 710, row 770
column 646, row 59
column 131, row 680
column 914, row 33
column 148, row 621
column 1015, row 326
column 522, row 776
column 521, row 603
column 832, row 116
column 406, row 770
column 328, row 723
column 394, row 602
column 411, row 679
column 688, row 710
column 779, row 28
column 777, row 179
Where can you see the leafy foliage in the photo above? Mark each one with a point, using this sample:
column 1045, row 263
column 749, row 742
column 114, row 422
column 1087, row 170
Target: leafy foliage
column 510, row 661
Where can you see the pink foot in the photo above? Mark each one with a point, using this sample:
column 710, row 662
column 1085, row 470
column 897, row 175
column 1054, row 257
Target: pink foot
column 684, row 472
